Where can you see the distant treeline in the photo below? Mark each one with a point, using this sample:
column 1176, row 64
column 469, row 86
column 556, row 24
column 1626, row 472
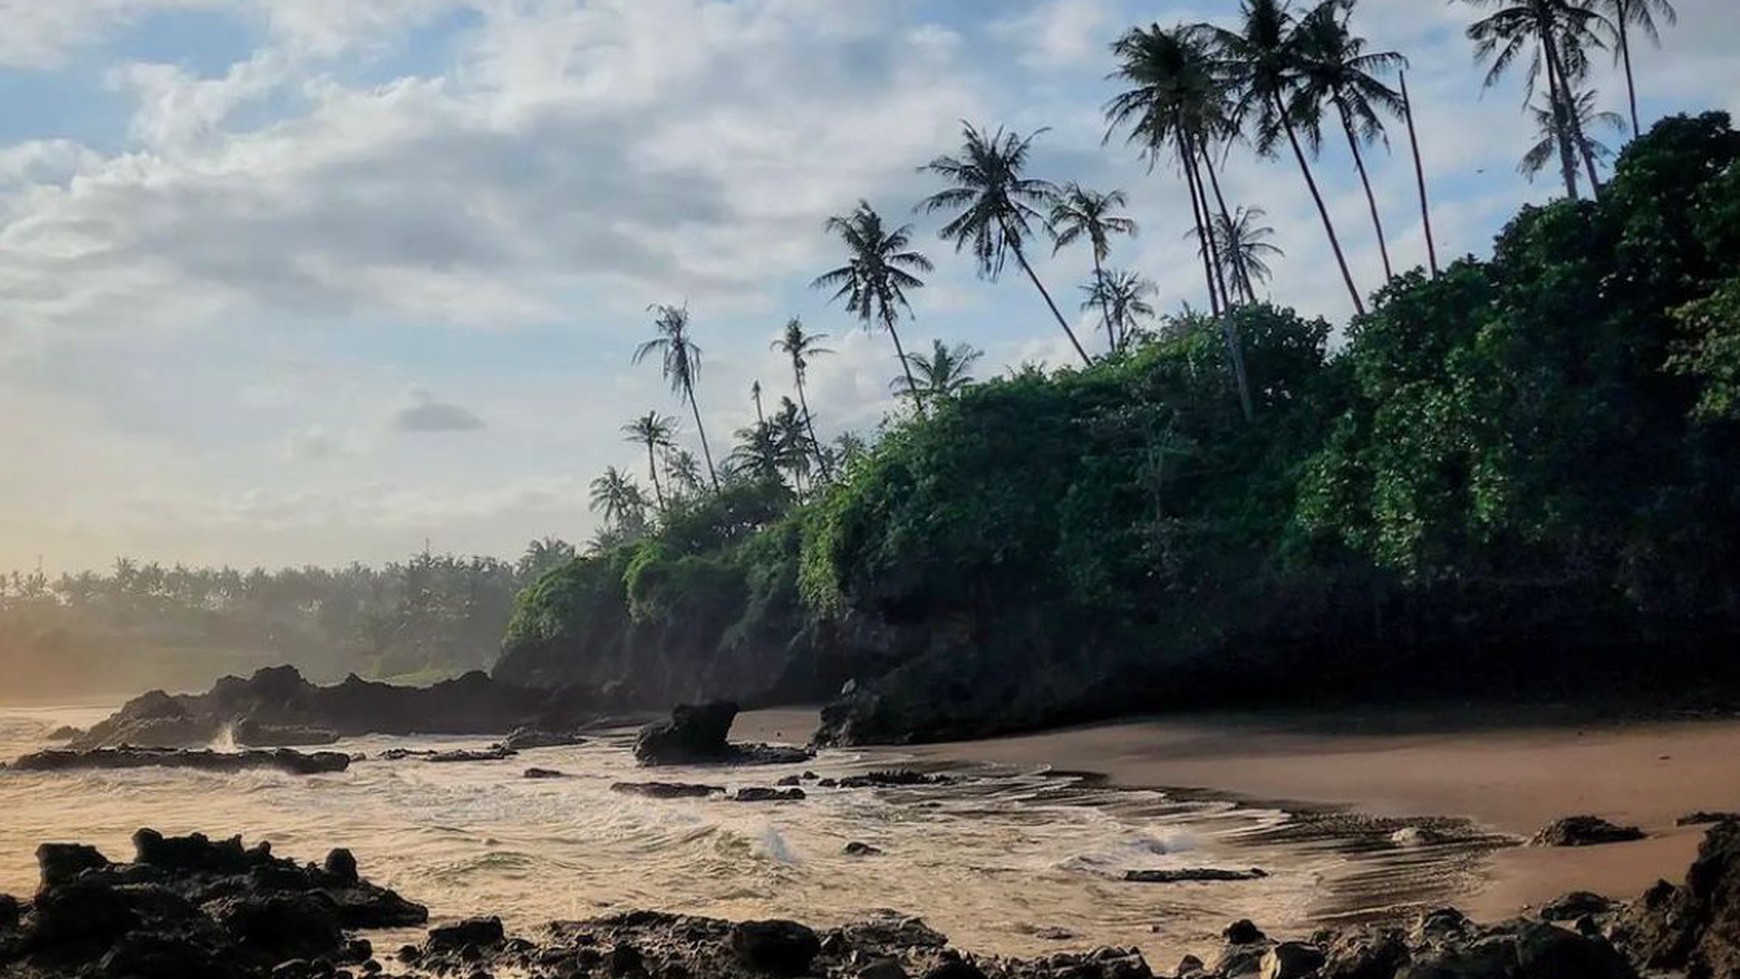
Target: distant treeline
column 142, row 624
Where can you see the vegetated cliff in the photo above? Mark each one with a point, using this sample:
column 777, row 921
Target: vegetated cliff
column 1520, row 478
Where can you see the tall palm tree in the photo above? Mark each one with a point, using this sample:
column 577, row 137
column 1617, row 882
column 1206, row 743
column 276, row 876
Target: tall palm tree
column 685, row 472
column 757, row 453
column 995, row 205
column 946, row 372
column 1588, row 117
column 792, row 438
column 1080, row 214
column 755, row 395
column 1338, row 71
column 800, row 347
column 1244, row 246
column 1265, row 58
column 1177, row 99
column 878, row 272
column 680, row 362
column 655, row 431
column 618, row 500
column 1622, row 16
column 1124, row 296
column 1560, row 35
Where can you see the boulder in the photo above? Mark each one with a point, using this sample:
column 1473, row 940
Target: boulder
column 1696, row 926
column 459, row 756
column 543, row 773
column 281, row 926
column 1291, row 960
column 340, row 864
column 696, row 735
column 667, row 790
column 527, row 739
column 857, row 849
column 473, row 932
column 59, row 863
column 780, row 948
column 1365, row 955
column 1195, row 875
column 769, row 795
column 1242, row 932
column 1701, row 818
column 1585, row 831
column 1547, row 952
column 893, row 778
column 1575, row 905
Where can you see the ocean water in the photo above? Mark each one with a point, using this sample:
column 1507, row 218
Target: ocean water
column 1005, row 860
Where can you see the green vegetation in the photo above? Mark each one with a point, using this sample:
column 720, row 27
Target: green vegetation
column 1518, row 478
column 143, row 625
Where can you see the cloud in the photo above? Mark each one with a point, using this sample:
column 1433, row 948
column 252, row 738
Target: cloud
column 426, row 413
column 1061, row 33
column 317, row 443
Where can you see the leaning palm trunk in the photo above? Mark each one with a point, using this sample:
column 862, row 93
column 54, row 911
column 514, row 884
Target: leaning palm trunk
column 1222, row 313
column 1240, row 272
column 706, row 450
column 652, row 465
column 1377, row 221
column 906, row 365
column 1197, row 153
column 1105, row 304
column 1630, row 81
column 1322, row 209
column 1575, row 126
column 1202, row 228
column 1021, row 257
column 1561, row 125
column 810, row 426
column 1420, row 176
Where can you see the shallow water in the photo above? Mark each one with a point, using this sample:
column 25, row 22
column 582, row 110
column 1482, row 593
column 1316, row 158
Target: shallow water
column 1007, row 860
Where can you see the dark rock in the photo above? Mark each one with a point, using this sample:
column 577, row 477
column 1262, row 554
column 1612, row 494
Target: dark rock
column 857, row 849
column 1365, row 955
column 1694, row 927
column 1291, row 960
column 696, row 735
column 8, row 912
column 281, row 926
column 159, row 956
column 252, row 734
column 59, row 863
column 474, row 932
column 1575, row 905
column 462, row 755
column 667, row 790
column 1585, row 831
column 955, row 968
column 527, row 739
column 1701, row 818
column 1546, row 952
column 1196, row 875
column 341, row 864
column 64, row 733
column 892, row 931
column 283, row 759
column 769, row 795
column 1190, row 965
column 789, row 781
column 1441, row 926
column 1243, row 932
column 1481, row 960
column 781, row 948
column 896, row 778
column 623, row 959
column 882, row 968
column 543, row 773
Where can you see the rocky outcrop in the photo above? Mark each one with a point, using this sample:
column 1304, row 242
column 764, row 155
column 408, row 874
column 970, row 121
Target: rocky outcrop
column 667, row 790
column 697, row 735
column 527, row 738
column 283, row 760
column 764, row 794
column 1585, row 831
column 1696, row 925
column 277, row 707
column 192, row 907
column 1195, row 875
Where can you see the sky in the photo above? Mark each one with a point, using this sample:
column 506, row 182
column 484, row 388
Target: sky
column 318, row 281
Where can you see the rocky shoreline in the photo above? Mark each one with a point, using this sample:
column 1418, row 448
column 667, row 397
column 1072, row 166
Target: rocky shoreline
column 195, row 908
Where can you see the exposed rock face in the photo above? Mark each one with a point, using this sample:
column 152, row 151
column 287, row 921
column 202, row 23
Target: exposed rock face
column 1696, row 926
column 283, row 759
column 781, row 948
column 696, row 735
column 277, row 707
column 191, row 907
column 1585, row 831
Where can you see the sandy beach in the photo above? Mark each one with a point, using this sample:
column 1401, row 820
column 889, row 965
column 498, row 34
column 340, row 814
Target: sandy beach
column 1514, row 773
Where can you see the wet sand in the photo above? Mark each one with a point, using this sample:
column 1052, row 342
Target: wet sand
column 1515, row 777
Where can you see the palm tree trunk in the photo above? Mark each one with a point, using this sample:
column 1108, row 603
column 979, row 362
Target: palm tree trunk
column 1105, row 305
column 1420, row 176
column 706, row 450
column 1199, row 205
column 1240, row 271
column 652, row 465
column 1215, row 260
column 1377, row 222
column 1561, row 128
column 905, row 365
column 1322, row 209
column 1630, row 82
column 1578, row 141
column 810, row 426
column 1202, row 233
column 1021, row 257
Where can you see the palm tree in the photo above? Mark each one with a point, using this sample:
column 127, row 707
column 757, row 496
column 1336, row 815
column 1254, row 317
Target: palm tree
column 1177, row 98
column 1560, row 33
column 757, row 453
column 792, row 439
column 755, row 395
column 878, row 272
column 1079, row 213
column 1588, row 118
column 996, row 205
column 849, row 447
column 680, row 362
column 1622, row 15
column 619, row 501
column 800, row 347
column 1124, row 296
column 655, row 431
column 1338, row 71
column 1265, row 58
column 684, row 472
column 945, row 372
column 1243, row 243
column 1419, row 173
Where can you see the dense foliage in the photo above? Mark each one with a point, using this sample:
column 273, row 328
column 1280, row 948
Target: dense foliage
column 1520, row 477
column 143, row 625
